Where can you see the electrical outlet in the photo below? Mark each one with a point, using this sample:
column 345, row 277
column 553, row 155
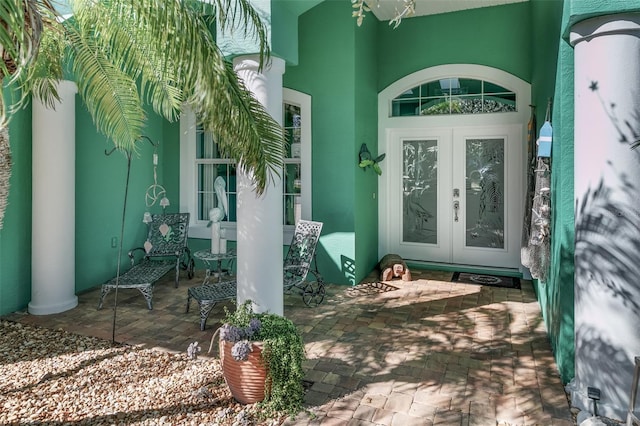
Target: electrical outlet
column 593, row 393
column 114, row 242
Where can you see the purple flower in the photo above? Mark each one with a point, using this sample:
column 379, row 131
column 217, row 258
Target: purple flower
column 230, row 333
column 240, row 350
column 254, row 327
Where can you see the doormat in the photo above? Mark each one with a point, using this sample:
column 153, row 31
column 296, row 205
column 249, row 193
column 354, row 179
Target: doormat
column 490, row 280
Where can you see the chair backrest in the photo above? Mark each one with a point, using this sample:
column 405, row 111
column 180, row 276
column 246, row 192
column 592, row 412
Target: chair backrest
column 167, row 234
column 303, row 247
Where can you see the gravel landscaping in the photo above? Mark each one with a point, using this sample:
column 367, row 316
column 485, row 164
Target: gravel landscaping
column 51, row 377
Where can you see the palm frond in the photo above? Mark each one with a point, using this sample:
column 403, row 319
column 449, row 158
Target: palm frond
column 244, row 130
column 181, row 61
column 111, row 96
column 124, row 52
column 138, row 49
column 19, row 35
column 239, row 15
column 22, row 23
column 265, row 144
column 40, row 79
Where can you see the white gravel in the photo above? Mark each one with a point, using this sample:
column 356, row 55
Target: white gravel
column 51, row 377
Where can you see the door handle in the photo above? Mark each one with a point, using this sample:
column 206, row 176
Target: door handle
column 456, row 207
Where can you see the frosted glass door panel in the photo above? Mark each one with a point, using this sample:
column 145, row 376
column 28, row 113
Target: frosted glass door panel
column 420, row 191
column 485, row 187
column 488, row 229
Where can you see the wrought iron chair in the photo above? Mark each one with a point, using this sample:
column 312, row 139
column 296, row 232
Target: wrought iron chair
column 165, row 250
column 297, row 265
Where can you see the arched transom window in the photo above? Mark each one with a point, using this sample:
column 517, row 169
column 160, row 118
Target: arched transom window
column 454, row 95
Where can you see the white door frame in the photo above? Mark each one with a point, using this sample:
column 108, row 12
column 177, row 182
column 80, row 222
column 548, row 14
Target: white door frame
column 389, row 128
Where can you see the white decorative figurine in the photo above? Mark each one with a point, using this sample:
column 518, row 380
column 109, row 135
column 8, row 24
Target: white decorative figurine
column 216, row 215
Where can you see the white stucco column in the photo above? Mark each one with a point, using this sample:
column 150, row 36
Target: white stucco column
column 259, row 218
column 607, row 222
column 53, row 209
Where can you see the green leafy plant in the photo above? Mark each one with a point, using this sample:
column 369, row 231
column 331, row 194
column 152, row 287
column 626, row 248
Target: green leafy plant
column 282, row 354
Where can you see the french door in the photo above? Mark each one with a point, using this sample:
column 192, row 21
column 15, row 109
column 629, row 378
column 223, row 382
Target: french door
column 455, row 194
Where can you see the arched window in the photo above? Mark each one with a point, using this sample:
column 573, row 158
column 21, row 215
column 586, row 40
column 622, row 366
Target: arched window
column 453, row 95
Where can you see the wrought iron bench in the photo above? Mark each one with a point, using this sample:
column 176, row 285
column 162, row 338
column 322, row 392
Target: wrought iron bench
column 297, row 265
column 208, row 294
column 165, row 250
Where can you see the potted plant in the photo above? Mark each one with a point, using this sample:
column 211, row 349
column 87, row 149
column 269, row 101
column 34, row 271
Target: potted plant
column 261, row 356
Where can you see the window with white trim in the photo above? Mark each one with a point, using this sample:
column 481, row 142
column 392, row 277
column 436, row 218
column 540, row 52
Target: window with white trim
column 201, row 163
column 453, row 95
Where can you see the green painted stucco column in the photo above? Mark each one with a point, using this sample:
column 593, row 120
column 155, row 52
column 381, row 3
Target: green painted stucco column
column 607, row 216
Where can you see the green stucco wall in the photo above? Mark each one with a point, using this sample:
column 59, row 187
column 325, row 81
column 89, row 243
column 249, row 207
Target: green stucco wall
column 100, row 191
column 284, row 34
column 100, row 187
column 366, row 131
column 579, row 10
column 557, row 296
column 494, row 36
column 327, row 71
column 342, row 67
column 344, row 70
column 15, row 236
column 552, row 79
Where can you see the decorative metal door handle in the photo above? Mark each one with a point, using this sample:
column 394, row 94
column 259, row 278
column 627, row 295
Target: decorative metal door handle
column 456, row 206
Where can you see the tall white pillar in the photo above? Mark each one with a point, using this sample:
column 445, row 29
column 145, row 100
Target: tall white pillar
column 53, row 204
column 259, row 218
column 607, row 221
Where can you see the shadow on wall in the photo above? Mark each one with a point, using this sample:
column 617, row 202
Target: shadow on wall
column 607, row 267
column 607, row 244
column 607, row 222
column 348, row 267
column 602, row 361
column 607, row 295
column 559, row 312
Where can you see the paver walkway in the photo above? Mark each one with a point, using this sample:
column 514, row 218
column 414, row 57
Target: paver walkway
column 425, row 352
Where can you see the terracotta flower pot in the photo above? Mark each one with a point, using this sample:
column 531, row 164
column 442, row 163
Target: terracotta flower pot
column 246, row 379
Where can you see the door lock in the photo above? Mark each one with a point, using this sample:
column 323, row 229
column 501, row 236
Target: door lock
column 456, row 192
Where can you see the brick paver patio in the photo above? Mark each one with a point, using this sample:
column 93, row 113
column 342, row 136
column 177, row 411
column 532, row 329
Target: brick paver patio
column 425, row 352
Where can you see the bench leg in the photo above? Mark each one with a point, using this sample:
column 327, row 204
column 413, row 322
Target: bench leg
column 205, row 309
column 147, row 292
column 177, row 273
column 103, row 293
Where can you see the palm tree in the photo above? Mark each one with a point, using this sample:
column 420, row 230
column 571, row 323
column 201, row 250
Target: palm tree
column 124, row 54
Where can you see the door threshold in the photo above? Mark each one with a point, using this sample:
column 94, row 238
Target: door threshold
column 477, row 269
